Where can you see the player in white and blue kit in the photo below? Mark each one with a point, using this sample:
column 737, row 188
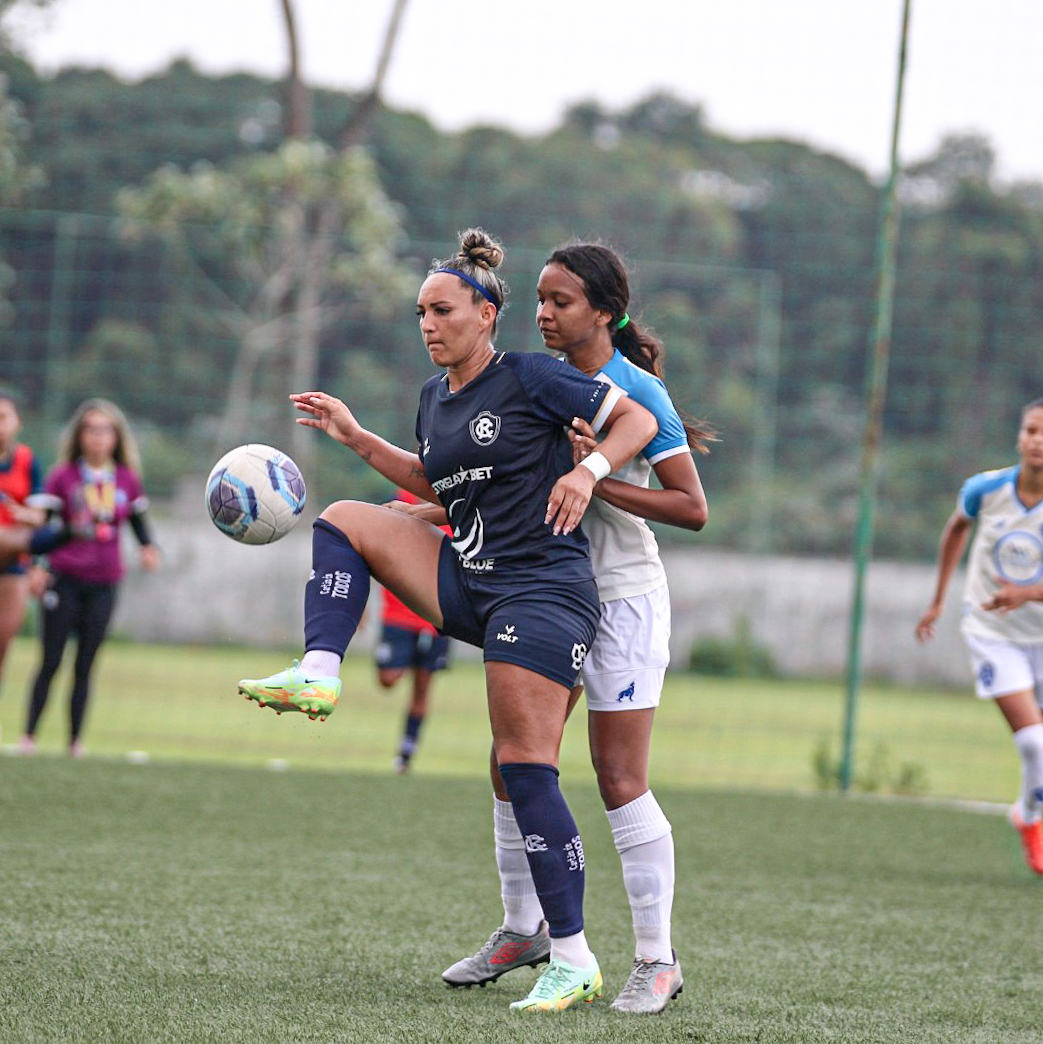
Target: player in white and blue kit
column 582, row 314
column 515, row 577
column 1002, row 624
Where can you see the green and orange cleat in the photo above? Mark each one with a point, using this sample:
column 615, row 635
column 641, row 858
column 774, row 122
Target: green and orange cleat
column 292, row 690
column 561, row 986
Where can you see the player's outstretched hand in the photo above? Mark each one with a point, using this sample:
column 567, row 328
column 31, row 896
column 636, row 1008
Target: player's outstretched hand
column 569, row 499
column 328, row 414
column 925, row 628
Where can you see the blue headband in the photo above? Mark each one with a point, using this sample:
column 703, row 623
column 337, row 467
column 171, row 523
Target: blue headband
column 474, row 282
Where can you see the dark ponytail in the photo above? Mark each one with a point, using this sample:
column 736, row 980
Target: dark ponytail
column 607, row 288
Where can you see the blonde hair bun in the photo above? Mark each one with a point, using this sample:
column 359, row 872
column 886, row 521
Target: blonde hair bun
column 478, row 247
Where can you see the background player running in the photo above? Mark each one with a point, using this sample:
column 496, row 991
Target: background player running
column 1002, row 626
column 408, row 643
column 583, row 295
column 515, row 578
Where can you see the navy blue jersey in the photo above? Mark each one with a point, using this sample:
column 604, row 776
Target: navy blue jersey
column 493, row 450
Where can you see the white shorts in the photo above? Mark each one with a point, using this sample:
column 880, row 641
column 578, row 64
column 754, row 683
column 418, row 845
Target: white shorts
column 625, row 667
column 1001, row 668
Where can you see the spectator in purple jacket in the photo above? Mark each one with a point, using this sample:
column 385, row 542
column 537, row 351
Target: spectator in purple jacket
column 95, row 487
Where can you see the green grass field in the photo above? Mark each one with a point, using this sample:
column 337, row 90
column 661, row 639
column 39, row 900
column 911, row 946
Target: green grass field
column 202, row 896
column 179, row 703
column 192, row 902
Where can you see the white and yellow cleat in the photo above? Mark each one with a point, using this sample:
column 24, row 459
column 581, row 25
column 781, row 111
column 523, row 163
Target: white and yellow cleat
column 292, row 690
column 561, row 986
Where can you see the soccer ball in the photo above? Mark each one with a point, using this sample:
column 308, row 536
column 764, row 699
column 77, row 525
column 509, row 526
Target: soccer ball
column 255, row 494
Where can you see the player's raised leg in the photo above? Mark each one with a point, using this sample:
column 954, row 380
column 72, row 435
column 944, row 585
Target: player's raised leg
column 351, row 542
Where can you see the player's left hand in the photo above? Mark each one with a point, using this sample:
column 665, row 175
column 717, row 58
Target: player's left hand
column 583, row 440
column 433, row 513
column 328, row 414
column 149, row 557
column 1008, row 597
column 569, row 499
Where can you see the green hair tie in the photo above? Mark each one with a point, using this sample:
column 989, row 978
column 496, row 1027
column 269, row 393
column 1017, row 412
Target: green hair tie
column 622, row 322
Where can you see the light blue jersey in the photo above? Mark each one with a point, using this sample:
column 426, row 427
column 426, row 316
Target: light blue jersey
column 623, row 548
column 1007, row 548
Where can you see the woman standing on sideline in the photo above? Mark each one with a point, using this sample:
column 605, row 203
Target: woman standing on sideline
column 515, row 577
column 1001, row 624
column 583, row 296
column 19, row 480
column 95, row 486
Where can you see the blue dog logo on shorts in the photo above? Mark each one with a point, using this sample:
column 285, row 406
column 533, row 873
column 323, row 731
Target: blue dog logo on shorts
column 626, row 694
column 987, row 675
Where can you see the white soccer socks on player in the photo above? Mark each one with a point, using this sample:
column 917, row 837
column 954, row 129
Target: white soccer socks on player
column 522, row 912
column 1029, row 742
column 644, row 840
column 319, row 663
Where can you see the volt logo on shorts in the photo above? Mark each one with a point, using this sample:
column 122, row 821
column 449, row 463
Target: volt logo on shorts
column 535, row 843
column 627, row 693
column 507, row 635
column 579, row 654
column 987, row 674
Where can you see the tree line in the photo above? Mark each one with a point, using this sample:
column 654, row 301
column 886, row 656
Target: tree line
column 164, row 243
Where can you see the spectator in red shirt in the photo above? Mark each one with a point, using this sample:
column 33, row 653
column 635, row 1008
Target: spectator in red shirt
column 19, row 480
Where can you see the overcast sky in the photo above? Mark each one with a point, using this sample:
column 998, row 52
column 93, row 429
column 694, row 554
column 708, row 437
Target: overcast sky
column 821, row 71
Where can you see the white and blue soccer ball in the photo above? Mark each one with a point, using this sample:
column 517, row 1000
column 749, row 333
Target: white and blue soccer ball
column 255, row 494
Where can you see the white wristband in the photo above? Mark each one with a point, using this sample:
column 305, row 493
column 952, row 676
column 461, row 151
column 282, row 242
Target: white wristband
column 598, row 465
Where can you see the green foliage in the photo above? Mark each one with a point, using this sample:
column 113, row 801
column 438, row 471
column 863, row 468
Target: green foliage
column 877, row 776
column 18, row 176
column 753, row 260
column 740, row 656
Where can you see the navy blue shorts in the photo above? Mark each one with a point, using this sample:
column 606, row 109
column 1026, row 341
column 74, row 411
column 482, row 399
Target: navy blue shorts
column 401, row 648
column 536, row 624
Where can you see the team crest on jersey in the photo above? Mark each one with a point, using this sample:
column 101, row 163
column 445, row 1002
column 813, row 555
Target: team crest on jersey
column 1018, row 557
column 484, row 428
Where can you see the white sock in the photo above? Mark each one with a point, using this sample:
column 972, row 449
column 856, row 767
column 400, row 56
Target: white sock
column 522, row 912
column 321, row 663
column 572, row 949
column 645, row 844
column 1029, row 742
